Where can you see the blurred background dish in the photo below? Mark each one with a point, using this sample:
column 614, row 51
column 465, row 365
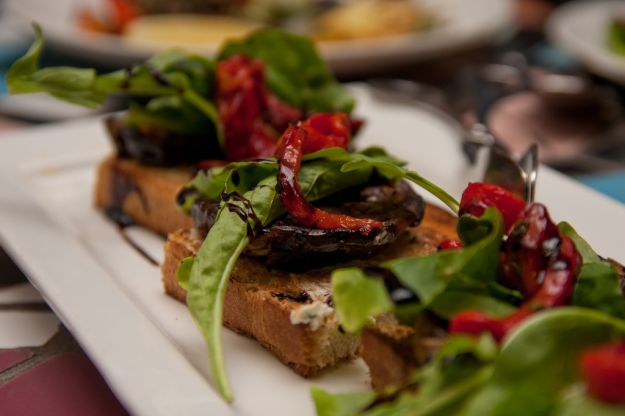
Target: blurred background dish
column 593, row 32
column 349, row 39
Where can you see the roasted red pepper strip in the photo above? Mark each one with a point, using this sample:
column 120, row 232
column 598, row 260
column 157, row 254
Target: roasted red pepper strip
column 529, row 246
column 318, row 132
column 450, row 245
column 479, row 196
column 603, row 369
column 252, row 117
column 535, row 249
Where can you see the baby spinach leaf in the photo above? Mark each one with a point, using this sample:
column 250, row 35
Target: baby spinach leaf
column 295, row 71
column 598, row 284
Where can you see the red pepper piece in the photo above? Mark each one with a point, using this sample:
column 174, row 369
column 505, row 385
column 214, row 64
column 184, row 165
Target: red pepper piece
column 475, row 322
column 526, row 252
column 536, row 248
column 252, row 117
column 603, row 369
column 450, row 245
column 479, row 196
column 318, row 132
column 123, row 13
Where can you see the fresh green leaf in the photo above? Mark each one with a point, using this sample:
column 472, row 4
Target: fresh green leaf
column 577, row 403
column 295, row 71
column 211, row 270
column 183, row 273
column 430, row 276
column 347, row 404
column 451, row 302
column 534, row 373
column 178, row 83
column 539, row 361
column 391, row 168
column 385, row 165
column 598, row 284
column 358, row 297
column 461, row 366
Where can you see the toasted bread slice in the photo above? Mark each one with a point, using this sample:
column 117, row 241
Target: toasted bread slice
column 393, row 351
column 292, row 314
column 130, row 192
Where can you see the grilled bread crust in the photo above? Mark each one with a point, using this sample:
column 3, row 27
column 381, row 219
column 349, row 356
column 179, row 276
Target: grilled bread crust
column 146, row 195
column 291, row 314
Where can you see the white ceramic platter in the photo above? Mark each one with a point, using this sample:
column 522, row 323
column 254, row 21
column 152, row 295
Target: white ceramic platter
column 144, row 343
column 581, row 29
column 462, row 24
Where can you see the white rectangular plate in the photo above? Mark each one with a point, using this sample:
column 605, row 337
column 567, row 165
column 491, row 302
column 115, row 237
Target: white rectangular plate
column 145, row 344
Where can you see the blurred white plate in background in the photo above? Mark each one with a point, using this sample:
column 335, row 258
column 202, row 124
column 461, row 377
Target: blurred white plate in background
column 463, row 24
column 581, row 28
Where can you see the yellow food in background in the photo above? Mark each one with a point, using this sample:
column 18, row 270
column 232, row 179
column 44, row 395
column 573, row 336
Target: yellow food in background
column 182, row 30
column 370, row 19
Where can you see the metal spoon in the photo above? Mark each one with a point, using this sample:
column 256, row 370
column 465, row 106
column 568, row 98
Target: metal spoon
column 479, row 145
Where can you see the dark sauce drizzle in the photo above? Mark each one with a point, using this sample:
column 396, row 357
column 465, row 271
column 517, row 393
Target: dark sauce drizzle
column 121, row 186
column 299, row 297
column 137, row 247
column 245, row 215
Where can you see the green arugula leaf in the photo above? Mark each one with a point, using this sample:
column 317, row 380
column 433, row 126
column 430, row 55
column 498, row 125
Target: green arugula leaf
column 386, row 165
column 211, row 270
column 360, row 296
column 178, row 83
column 295, row 71
column 598, row 284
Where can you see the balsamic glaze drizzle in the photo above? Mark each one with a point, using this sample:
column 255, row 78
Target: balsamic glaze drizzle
column 121, row 186
column 245, row 215
column 137, row 247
